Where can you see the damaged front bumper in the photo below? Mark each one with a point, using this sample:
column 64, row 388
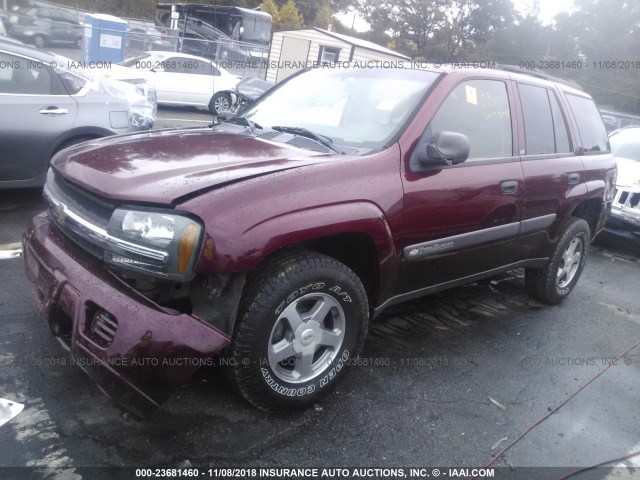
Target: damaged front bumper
column 136, row 352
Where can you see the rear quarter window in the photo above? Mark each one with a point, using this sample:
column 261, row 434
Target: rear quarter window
column 590, row 125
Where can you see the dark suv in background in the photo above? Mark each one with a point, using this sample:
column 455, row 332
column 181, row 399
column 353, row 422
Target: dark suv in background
column 43, row 26
column 273, row 238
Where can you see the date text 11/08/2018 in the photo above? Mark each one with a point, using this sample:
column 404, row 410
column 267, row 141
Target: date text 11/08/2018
column 580, row 65
column 325, row 473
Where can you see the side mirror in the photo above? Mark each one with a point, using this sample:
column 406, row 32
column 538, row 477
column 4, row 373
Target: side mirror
column 447, row 148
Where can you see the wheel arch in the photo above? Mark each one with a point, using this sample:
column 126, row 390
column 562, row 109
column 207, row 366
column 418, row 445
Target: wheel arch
column 355, row 233
column 90, row 133
column 355, row 250
column 589, row 210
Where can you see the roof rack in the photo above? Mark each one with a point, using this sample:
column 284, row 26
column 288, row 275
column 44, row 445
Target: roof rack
column 538, row 74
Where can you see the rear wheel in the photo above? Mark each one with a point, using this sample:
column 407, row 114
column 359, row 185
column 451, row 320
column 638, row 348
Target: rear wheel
column 220, row 102
column 553, row 283
column 39, row 41
column 302, row 320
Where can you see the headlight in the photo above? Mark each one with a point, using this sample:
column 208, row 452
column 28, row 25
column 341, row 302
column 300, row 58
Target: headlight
column 161, row 243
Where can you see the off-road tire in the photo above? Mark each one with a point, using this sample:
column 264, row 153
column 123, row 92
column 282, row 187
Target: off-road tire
column 291, row 283
column 545, row 284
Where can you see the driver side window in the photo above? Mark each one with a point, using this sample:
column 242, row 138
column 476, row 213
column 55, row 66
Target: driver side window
column 480, row 110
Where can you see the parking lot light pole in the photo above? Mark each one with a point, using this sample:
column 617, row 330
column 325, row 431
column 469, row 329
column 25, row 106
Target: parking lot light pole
column 175, row 15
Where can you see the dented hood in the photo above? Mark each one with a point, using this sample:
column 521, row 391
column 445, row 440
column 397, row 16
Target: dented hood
column 165, row 165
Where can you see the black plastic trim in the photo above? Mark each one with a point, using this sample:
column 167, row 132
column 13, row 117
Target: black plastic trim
column 537, row 223
column 458, row 242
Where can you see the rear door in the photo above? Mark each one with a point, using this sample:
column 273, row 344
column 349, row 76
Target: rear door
column 172, row 84
column 36, row 112
column 462, row 220
column 554, row 174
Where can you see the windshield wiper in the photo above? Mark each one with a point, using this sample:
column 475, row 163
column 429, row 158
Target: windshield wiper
column 303, row 132
column 244, row 120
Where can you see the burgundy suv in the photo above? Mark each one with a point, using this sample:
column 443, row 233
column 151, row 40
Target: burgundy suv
column 269, row 241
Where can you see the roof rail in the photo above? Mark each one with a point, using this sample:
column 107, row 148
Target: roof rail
column 538, row 74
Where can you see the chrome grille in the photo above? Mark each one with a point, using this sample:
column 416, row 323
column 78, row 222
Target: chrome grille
column 89, row 206
column 626, row 199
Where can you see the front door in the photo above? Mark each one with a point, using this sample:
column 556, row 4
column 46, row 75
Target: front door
column 463, row 219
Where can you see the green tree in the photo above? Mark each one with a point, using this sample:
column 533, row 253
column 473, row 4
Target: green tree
column 412, row 24
column 272, row 9
column 605, row 33
column 528, row 40
column 438, row 30
column 289, row 16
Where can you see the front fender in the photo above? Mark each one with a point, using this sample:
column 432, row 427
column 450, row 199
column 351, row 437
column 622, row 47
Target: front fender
column 244, row 252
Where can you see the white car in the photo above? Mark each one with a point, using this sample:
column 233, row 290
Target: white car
column 625, row 210
column 182, row 79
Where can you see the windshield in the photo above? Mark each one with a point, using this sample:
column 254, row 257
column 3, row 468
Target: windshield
column 626, row 144
column 354, row 107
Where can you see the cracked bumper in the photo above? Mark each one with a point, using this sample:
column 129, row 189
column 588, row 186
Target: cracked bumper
column 136, row 352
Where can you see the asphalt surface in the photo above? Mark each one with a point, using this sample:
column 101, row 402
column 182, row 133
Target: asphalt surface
column 442, row 381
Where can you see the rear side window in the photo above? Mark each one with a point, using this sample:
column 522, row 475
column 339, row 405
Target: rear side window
column 590, row 125
column 72, row 83
column 23, row 77
column 563, row 145
column 480, row 110
column 544, row 125
column 538, row 122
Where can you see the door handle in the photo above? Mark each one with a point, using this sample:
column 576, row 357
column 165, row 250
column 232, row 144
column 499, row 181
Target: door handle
column 509, row 186
column 53, row 111
column 573, row 178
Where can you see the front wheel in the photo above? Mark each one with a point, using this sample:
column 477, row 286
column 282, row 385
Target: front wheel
column 220, row 102
column 302, row 320
column 553, row 283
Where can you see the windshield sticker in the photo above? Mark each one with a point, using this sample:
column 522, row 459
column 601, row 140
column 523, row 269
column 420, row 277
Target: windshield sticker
column 472, row 95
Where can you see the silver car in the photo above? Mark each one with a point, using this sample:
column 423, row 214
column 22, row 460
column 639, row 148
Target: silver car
column 47, row 107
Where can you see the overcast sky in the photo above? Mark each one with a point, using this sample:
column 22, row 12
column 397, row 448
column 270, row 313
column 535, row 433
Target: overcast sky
column 548, row 10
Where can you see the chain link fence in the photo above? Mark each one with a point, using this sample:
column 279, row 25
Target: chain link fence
column 238, row 58
column 51, row 25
